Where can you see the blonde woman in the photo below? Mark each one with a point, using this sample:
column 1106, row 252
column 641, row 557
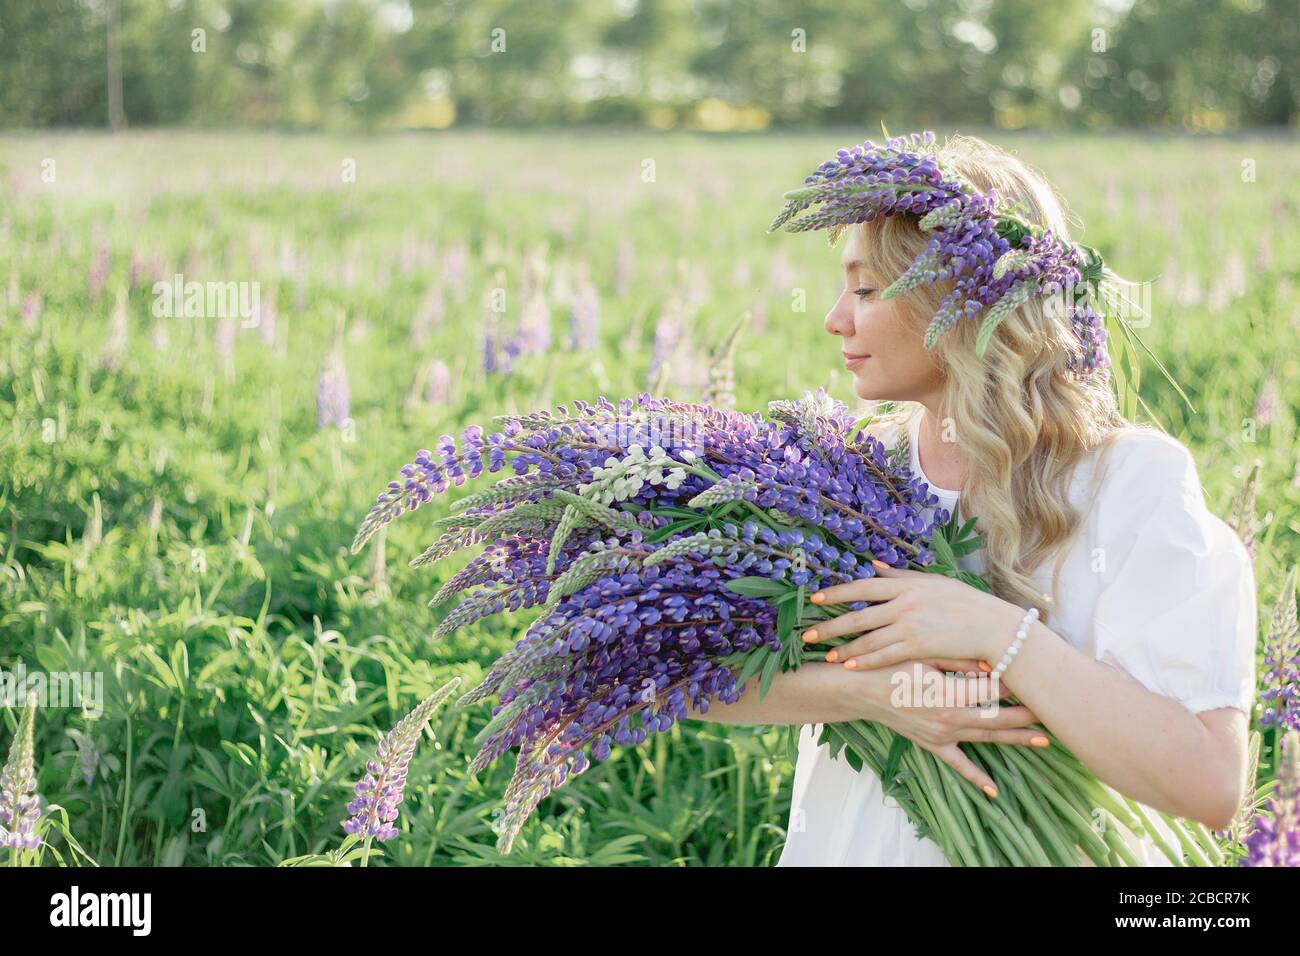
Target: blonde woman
column 1141, row 659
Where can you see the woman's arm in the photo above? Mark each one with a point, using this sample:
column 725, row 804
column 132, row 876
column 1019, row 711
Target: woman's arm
column 1147, row 746
column 813, row 693
column 817, row 692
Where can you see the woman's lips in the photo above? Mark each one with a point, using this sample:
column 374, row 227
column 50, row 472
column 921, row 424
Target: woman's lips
column 852, row 361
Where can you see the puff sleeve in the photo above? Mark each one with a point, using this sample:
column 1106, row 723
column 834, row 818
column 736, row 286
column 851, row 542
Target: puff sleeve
column 1177, row 607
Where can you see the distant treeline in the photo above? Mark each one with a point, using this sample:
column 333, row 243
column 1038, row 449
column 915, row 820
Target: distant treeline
column 1200, row 65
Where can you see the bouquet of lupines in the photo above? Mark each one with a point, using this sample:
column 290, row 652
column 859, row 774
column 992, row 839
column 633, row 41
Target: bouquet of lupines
column 670, row 548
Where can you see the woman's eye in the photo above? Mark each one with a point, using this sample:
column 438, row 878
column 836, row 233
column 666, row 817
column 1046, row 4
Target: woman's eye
column 863, row 293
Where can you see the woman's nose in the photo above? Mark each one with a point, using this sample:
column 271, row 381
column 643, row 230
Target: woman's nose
column 839, row 320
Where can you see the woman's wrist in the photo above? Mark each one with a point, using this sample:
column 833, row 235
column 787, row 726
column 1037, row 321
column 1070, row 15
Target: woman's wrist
column 862, row 694
column 1002, row 634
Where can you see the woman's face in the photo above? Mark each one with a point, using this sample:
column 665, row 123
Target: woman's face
column 898, row 368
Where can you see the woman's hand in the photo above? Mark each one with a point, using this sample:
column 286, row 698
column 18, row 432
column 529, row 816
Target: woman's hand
column 914, row 615
column 943, row 721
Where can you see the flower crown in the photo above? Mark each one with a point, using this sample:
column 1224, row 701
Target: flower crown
column 998, row 260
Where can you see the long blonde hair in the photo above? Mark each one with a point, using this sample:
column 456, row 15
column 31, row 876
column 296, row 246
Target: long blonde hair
column 1022, row 420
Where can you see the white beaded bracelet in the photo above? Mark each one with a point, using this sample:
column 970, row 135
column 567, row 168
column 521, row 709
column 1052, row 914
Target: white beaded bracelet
column 1021, row 633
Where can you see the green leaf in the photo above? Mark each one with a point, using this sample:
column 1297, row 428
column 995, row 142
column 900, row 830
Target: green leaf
column 785, row 622
column 854, row 759
column 668, row 530
column 753, row 663
column 770, row 670
column 860, row 424
column 792, row 742
column 939, row 545
column 759, row 587
column 896, row 751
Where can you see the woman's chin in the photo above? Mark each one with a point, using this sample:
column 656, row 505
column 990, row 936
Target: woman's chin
column 864, row 389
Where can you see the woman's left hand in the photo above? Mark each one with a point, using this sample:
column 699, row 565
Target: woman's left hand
column 915, row 615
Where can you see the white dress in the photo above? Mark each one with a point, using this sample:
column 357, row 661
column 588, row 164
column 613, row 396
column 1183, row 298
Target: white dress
column 1153, row 584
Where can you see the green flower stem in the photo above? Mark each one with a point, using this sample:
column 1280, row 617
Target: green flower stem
column 1016, row 816
column 1058, row 842
column 1069, row 767
column 1154, row 836
column 960, row 844
column 1091, row 844
column 1190, row 846
column 954, row 786
column 1048, row 771
column 1013, row 845
column 1118, row 846
column 1208, row 840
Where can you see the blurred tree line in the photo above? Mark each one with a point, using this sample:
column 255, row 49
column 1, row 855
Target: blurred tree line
column 1199, row 65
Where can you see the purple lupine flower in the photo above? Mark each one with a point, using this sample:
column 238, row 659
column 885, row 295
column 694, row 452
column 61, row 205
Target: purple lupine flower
column 1264, row 252
column 721, row 389
column 87, row 753
column 438, row 384
column 668, row 333
column 1275, row 839
column 996, row 262
column 97, row 274
column 1280, row 674
column 1243, row 520
column 455, row 269
column 533, row 334
column 19, row 804
column 381, row 789
column 431, row 385
column 533, row 331
column 584, row 319
column 333, row 397
column 430, row 315
column 489, row 344
column 640, row 627
column 1267, row 402
column 33, row 303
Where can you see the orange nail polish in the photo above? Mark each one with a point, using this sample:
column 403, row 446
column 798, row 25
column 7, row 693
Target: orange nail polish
column 832, row 656
column 851, row 664
column 1040, row 741
column 991, row 791
column 986, row 667
column 881, row 565
column 817, row 597
column 810, row 635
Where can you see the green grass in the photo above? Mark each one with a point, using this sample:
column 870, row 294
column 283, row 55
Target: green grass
column 182, row 526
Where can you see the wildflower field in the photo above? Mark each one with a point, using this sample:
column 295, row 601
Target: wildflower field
column 179, row 488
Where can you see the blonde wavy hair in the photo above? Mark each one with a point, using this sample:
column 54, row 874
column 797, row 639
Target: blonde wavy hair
column 1023, row 421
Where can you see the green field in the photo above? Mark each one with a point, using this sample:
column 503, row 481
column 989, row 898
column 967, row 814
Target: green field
column 172, row 517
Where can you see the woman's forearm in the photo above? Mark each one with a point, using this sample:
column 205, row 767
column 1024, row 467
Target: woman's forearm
column 1147, row 746
column 813, row 693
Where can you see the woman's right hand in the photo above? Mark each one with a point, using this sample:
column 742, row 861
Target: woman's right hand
column 891, row 700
